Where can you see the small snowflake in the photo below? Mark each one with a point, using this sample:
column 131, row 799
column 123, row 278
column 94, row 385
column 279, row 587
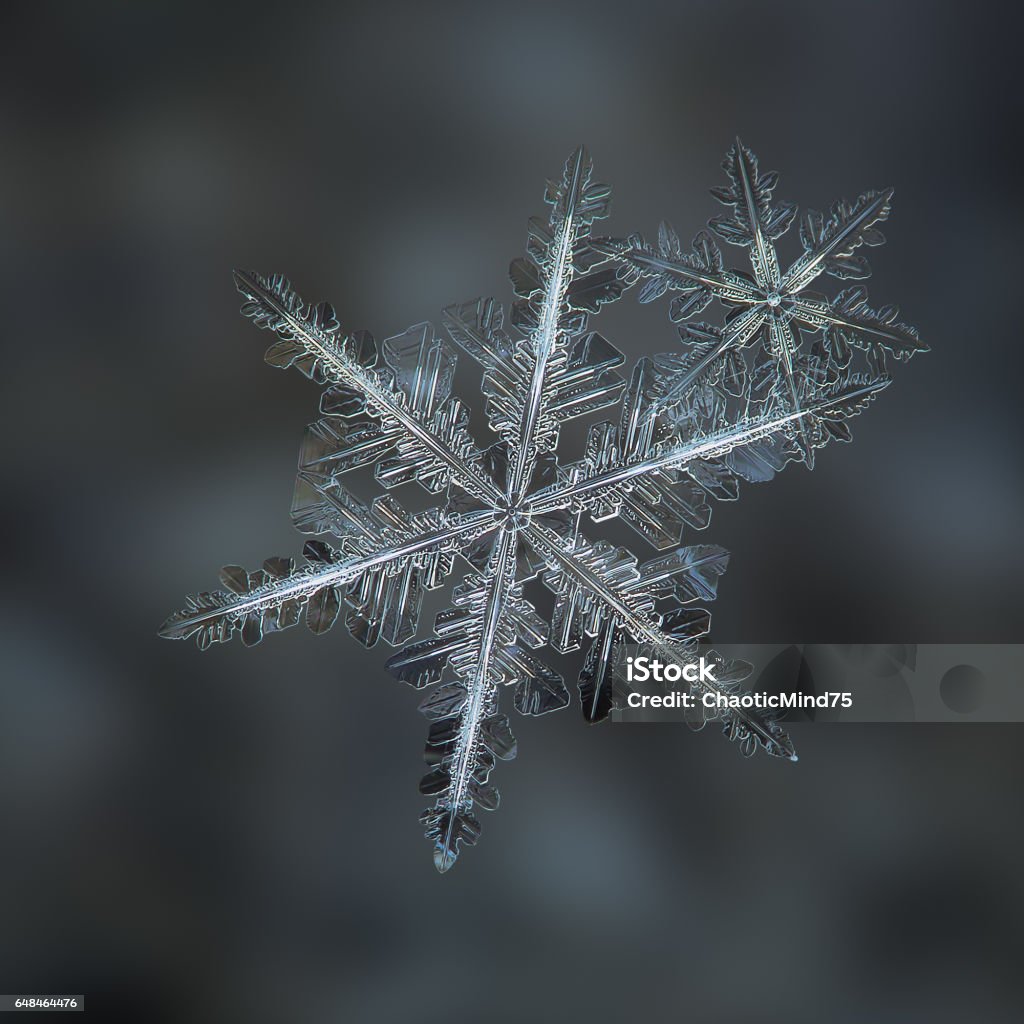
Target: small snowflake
column 738, row 402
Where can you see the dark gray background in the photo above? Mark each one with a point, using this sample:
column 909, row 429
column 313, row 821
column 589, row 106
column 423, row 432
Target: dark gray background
column 233, row 836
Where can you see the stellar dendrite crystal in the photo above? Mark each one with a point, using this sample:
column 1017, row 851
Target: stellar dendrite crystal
column 774, row 381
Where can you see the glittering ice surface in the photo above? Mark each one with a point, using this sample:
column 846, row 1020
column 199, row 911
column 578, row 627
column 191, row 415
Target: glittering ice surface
column 775, row 381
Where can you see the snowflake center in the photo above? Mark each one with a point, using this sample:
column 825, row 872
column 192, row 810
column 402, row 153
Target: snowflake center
column 773, row 299
column 515, row 513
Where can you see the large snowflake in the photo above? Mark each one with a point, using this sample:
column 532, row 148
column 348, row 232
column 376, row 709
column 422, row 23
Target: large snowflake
column 733, row 402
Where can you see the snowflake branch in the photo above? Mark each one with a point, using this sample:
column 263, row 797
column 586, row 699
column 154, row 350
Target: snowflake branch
column 725, row 285
column 280, row 310
column 557, row 274
column 215, row 616
column 829, row 245
column 738, row 334
column 449, row 822
column 644, row 628
column 698, row 275
column 762, row 253
column 757, row 221
column 712, row 446
column 863, row 326
column 784, row 344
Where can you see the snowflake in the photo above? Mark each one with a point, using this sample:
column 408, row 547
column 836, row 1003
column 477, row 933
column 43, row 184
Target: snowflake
column 736, row 402
column 764, row 308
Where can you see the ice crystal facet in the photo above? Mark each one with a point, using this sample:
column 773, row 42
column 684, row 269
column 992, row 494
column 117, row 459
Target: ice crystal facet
column 736, row 402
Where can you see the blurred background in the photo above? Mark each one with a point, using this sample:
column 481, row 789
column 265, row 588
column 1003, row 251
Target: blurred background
column 234, row 836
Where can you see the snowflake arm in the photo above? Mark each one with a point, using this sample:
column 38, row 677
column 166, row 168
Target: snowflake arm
column 848, row 320
column 830, row 245
column 698, row 275
column 556, row 370
column 482, row 639
column 756, row 222
column 408, row 394
column 273, row 598
column 466, row 741
column 587, row 490
column 555, row 275
column 670, row 636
